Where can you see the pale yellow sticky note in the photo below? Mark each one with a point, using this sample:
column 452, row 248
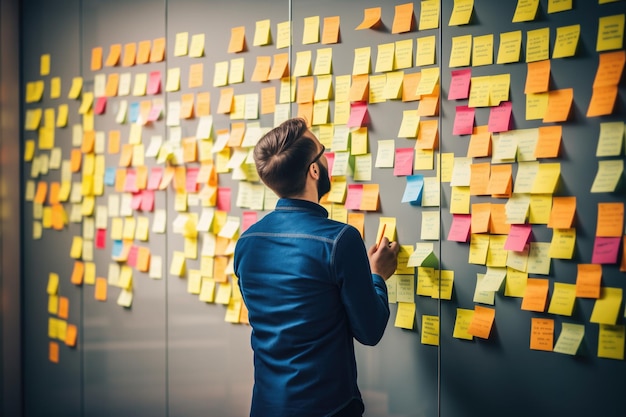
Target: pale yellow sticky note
column 611, row 139
column 536, row 105
column 361, row 63
column 430, row 225
column 547, row 178
column 515, row 284
column 403, row 54
column 425, row 51
column 323, row 61
column 181, row 44
column 196, row 47
column 311, row 33
column 570, row 338
column 608, row 176
column 177, row 267
column 563, row 298
column 460, row 200
column 262, row 35
column 283, row 35
column 173, row 80
column 610, row 33
column 405, row 316
column 303, row 64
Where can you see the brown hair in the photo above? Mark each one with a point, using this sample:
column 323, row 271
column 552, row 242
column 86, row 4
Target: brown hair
column 281, row 157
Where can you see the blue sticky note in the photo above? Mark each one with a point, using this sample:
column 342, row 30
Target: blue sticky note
column 133, row 112
column 413, row 190
column 118, row 247
column 109, row 176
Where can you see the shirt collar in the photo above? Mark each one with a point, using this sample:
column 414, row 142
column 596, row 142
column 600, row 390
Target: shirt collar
column 292, row 203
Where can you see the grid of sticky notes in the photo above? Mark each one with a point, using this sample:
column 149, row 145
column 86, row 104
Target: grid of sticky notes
column 60, row 330
column 497, row 226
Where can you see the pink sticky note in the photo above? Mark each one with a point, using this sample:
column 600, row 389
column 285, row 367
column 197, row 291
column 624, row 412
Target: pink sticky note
column 518, row 237
column 223, row 199
column 500, row 117
column 330, row 158
column 132, row 256
column 460, row 228
column 155, row 178
column 463, row 121
column 155, row 112
column 101, row 105
column 358, row 114
column 403, row 164
column 154, row 82
column 354, row 197
column 130, row 185
column 605, row 250
column 460, row 84
column 135, row 203
column 249, row 218
column 147, row 200
column 101, row 238
column 191, row 184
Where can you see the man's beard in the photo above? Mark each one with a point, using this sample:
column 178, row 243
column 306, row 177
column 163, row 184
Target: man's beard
column 323, row 184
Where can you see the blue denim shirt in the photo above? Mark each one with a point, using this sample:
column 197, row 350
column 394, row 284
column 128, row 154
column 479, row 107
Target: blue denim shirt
column 309, row 290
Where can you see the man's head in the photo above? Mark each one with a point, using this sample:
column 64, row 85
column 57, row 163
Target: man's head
column 284, row 157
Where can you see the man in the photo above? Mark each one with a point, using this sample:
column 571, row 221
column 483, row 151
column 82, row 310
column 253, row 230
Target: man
column 309, row 285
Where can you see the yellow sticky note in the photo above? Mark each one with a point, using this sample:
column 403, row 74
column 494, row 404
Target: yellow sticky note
column 461, row 13
column 566, row 41
column 53, row 283
column 606, row 309
column 55, row 87
column 610, row 33
column 425, row 51
column 537, row 44
column 405, row 316
column 361, row 63
column 482, row 50
column 177, row 267
column 262, row 34
column 429, row 14
column 569, row 339
column 563, row 243
column 563, row 298
column 181, row 44
column 44, row 67
column 510, row 47
column 283, row 35
column 430, row 330
column 196, row 48
column 76, row 88
column 611, row 342
column 77, row 247
column 608, row 176
column 461, row 324
column 461, row 51
column 525, row 11
column 311, row 33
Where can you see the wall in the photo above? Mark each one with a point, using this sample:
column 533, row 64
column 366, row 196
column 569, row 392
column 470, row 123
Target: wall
column 168, row 352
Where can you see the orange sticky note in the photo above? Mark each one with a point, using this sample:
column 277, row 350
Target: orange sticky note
column 237, row 131
column 542, row 334
column 126, row 156
column 549, row 142
column 225, row 104
column 305, row 90
column 96, row 58
column 130, row 51
column 371, row 18
column 482, row 322
column 305, row 111
column 538, row 77
column 64, row 307
column 403, row 18
column 190, row 149
column 610, row 69
column 186, row 106
column 114, row 142
column 115, row 52
column 497, row 222
column 602, row 101
column 143, row 259
column 330, row 32
column 53, row 195
column 113, row 81
column 428, row 134
column 429, row 105
column 409, row 86
column 143, row 52
column 168, row 175
column 40, row 194
column 562, row 213
column 559, row 105
column 203, row 104
column 89, row 139
column 479, row 178
column 480, row 142
column 500, row 181
column 237, row 39
column 481, row 213
column 358, row 221
column 280, row 67
column 535, row 295
column 158, row 50
column 359, row 90
column 195, row 75
column 262, row 68
column 144, row 110
column 53, row 352
column 370, row 197
column 141, row 177
column 120, row 180
column 180, row 179
column 588, row 281
column 77, row 273
column 71, row 335
column 610, row 221
column 219, row 269
column 100, row 293
column 58, row 216
column 268, row 100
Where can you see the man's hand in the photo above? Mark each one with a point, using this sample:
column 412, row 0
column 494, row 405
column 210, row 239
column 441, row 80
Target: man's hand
column 384, row 258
